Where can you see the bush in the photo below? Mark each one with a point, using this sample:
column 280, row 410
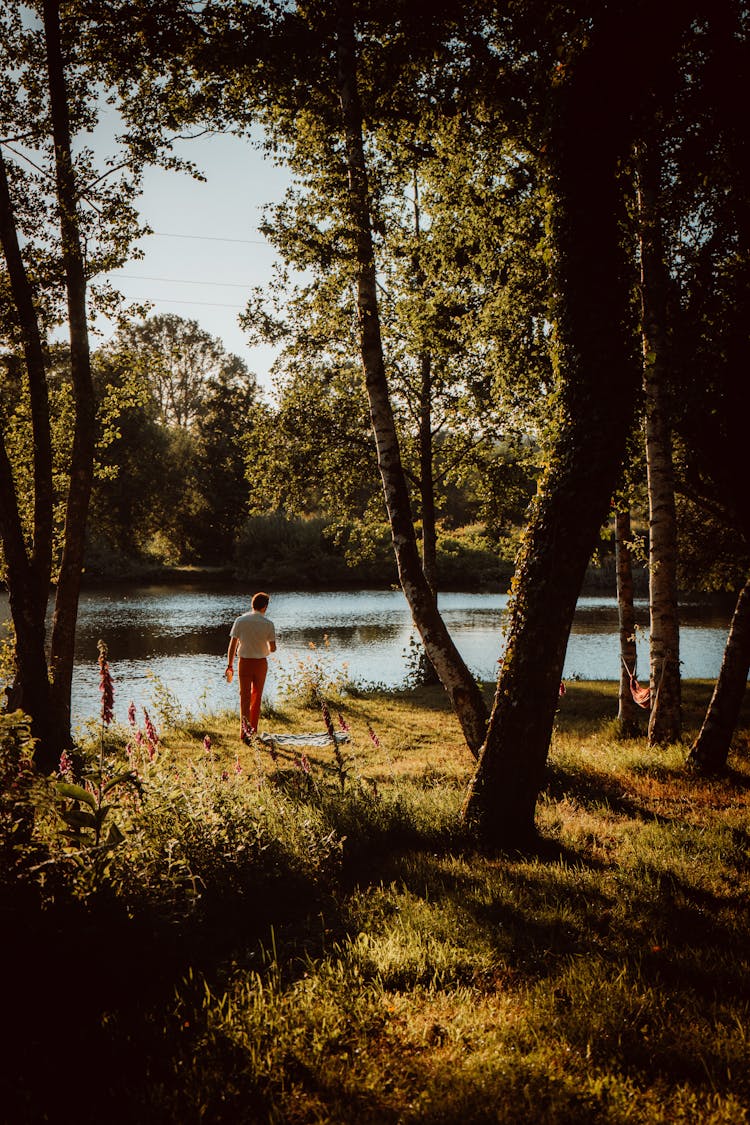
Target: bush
column 282, row 550
column 17, row 783
column 467, row 559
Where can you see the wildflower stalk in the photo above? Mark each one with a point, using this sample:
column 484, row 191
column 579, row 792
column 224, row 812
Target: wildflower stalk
column 107, row 693
column 340, row 761
column 151, row 735
column 82, row 807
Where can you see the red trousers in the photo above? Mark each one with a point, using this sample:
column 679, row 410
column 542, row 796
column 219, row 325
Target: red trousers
column 252, row 677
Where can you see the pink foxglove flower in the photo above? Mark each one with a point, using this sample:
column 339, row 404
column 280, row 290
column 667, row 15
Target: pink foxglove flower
column 131, row 713
column 207, row 744
column 65, row 768
column 328, row 721
column 342, row 722
column 374, row 738
column 151, row 734
column 106, row 686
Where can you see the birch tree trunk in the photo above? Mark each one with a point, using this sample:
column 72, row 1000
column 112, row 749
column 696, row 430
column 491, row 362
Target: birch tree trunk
column 708, row 754
column 627, row 713
column 426, row 673
column 460, row 685
column 665, row 724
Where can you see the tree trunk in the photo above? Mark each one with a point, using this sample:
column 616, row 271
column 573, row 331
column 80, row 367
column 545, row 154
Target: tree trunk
column 84, row 438
column 426, row 479
column 665, row 721
column 28, row 575
column 426, row 673
column 460, row 685
column 627, row 714
column 30, row 689
column 598, row 377
column 36, row 368
column 708, row 754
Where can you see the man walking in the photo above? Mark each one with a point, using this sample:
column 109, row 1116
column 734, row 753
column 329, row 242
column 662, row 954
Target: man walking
column 253, row 634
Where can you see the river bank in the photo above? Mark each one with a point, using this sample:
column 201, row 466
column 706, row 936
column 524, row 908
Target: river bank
column 598, row 579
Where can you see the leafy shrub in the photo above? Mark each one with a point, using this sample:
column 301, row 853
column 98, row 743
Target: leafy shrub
column 466, row 558
column 282, row 550
column 312, row 677
column 17, row 783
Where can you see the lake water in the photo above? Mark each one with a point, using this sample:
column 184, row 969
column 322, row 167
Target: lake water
column 179, row 635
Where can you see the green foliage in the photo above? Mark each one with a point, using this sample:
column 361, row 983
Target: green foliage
column 166, row 704
column 18, row 440
column 286, row 551
column 7, row 655
column 17, row 782
column 311, row 678
column 84, row 813
column 87, row 797
column 459, row 242
column 712, row 555
column 321, row 420
column 283, row 550
column 468, row 556
column 171, row 484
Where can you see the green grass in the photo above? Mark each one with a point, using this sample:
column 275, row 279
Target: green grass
column 269, row 946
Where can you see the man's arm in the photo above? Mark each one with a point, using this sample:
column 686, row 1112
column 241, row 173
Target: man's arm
column 230, row 656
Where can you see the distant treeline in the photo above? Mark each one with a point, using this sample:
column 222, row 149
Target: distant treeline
column 293, row 552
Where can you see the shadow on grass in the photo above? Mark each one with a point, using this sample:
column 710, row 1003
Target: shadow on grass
column 102, row 1001
column 93, row 992
column 593, row 789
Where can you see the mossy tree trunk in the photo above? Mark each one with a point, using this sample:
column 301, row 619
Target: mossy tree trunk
column 598, row 377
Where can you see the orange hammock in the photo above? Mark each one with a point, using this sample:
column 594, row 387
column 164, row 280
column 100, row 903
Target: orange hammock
column 641, row 695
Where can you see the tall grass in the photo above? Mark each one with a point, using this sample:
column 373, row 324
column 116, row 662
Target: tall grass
column 269, row 945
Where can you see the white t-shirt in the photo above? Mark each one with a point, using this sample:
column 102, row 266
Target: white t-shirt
column 255, row 633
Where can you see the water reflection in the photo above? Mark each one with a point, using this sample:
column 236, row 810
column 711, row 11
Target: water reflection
column 179, row 635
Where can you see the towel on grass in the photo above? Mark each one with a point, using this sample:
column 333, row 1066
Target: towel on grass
column 312, row 739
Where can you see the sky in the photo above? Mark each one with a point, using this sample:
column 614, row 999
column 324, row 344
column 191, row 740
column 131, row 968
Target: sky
column 206, row 252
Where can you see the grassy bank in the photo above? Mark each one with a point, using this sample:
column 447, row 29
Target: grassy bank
column 292, row 937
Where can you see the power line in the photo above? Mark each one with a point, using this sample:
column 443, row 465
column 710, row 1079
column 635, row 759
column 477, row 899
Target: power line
column 183, row 280
column 174, row 301
column 214, row 238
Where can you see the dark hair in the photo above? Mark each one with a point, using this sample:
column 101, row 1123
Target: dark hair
column 260, row 601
